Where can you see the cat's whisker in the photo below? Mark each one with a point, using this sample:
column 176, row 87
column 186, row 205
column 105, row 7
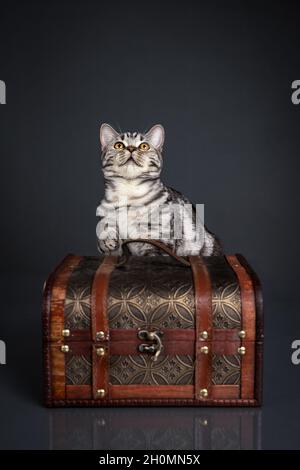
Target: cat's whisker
column 123, row 161
column 138, row 161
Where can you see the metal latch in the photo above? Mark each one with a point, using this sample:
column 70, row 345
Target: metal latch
column 154, row 348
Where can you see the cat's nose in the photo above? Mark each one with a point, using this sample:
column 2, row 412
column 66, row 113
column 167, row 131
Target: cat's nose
column 131, row 148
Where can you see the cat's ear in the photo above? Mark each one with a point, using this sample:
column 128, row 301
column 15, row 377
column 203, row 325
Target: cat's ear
column 156, row 136
column 107, row 134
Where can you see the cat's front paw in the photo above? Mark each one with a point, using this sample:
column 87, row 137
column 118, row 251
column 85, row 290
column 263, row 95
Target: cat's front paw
column 108, row 244
column 111, row 244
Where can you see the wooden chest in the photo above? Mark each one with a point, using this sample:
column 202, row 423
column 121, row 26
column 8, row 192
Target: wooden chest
column 153, row 331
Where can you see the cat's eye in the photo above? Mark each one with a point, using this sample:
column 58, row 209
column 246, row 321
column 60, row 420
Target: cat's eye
column 119, row 146
column 144, row 146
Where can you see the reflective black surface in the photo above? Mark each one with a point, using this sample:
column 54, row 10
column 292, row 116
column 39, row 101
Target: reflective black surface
column 155, row 429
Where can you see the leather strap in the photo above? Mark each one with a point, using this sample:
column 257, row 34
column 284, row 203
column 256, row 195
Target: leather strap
column 169, row 334
column 100, row 327
column 203, row 327
column 248, row 325
column 127, row 395
column 130, row 346
column 57, row 306
column 162, row 246
column 58, row 295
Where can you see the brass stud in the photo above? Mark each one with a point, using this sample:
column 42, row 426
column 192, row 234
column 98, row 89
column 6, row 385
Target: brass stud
column 204, row 335
column 204, row 422
column 242, row 334
column 100, row 393
column 65, row 332
column 100, row 351
column 100, row 335
column 64, row 348
column 242, row 350
column 204, row 349
column 203, row 393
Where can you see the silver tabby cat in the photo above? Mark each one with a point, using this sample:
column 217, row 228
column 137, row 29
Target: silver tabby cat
column 132, row 164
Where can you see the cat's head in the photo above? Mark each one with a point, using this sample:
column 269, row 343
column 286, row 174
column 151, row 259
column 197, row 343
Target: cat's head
column 131, row 155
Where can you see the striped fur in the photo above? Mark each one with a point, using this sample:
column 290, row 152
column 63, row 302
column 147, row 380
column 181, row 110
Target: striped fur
column 132, row 164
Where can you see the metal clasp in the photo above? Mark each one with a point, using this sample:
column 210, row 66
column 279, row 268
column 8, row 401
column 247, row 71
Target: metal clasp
column 154, row 348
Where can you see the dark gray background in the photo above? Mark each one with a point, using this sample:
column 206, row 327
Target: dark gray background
column 218, row 76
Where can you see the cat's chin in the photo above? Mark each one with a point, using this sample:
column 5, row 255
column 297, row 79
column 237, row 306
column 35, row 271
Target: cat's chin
column 130, row 170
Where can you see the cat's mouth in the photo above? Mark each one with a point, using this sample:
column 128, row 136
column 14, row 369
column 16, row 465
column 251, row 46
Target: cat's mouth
column 130, row 160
